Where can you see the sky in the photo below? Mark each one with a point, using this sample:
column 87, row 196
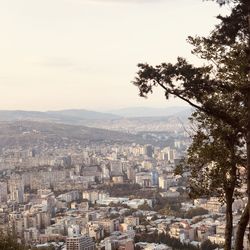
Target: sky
column 64, row 54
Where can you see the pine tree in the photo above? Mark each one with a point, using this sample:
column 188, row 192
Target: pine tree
column 213, row 88
column 215, row 159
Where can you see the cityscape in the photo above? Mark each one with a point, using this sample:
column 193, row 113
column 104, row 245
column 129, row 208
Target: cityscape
column 125, row 125
column 106, row 194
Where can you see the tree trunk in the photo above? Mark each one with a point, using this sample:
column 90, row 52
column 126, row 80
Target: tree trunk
column 248, row 116
column 242, row 228
column 244, row 220
column 229, row 221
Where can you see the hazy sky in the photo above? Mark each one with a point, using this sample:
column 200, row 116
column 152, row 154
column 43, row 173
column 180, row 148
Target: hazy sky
column 58, row 54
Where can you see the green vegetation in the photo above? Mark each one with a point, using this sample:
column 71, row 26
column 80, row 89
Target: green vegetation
column 169, row 206
column 198, row 211
column 10, row 242
column 219, row 91
column 121, row 190
column 43, row 248
column 213, row 160
column 168, row 211
column 163, row 238
column 208, row 245
column 145, row 207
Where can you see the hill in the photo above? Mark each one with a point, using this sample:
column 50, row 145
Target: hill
column 64, row 116
column 174, row 121
column 149, row 112
column 30, row 133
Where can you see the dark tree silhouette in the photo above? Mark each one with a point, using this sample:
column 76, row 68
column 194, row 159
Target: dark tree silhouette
column 221, row 88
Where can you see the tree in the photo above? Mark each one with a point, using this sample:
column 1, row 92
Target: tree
column 9, row 242
column 225, row 79
column 163, row 238
column 214, row 160
column 43, row 248
column 232, row 29
column 208, row 245
column 144, row 206
column 198, row 211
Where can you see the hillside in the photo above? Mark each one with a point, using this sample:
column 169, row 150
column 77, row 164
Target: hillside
column 64, row 116
column 174, row 121
column 30, row 133
column 150, row 112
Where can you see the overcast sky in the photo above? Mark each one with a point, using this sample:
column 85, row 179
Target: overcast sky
column 60, row 54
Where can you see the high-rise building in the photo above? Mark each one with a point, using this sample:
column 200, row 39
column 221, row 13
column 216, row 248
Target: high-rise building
column 80, row 242
column 155, row 177
column 131, row 173
column 3, row 192
column 148, row 150
column 16, row 188
column 144, row 179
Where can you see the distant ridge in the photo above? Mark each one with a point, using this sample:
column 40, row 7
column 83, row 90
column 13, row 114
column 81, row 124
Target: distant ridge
column 75, row 115
column 83, row 114
column 127, row 120
column 71, row 115
column 151, row 112
column 31, row 133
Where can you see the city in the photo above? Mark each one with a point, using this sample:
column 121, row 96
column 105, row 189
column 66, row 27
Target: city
column 125, row 125
column 106, row 196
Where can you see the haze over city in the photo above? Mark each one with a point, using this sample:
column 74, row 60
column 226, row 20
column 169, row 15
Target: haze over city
column 64, row 54
column 87, row 163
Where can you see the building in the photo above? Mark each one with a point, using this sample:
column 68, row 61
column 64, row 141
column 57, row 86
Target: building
column 3, row 192
column 93, row 195
column 148, row 150
column 109, row 225
column 131, row 173
column 79, row 242
column 16, row 188
column 155, row 177
column 117, row 179
column 213, row 205
column 131, row 220
column 144, row 179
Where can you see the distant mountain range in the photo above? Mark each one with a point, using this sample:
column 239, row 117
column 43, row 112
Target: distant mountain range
column 84, row 127
column 83, row 114
column 151, row 112
column 129, row 120
column 70, row 115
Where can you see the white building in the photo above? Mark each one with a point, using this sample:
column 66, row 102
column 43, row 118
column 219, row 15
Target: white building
column 79, row 242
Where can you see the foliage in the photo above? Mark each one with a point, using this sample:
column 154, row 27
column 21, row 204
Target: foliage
column 129, row 212
column 198, row 211
column 43, row 248
column 169, row 206
column 208, row 245
column 9, row 242
column 114, row 216
column 120, row 190
column 163, row 238
column 214, row 158
column 210, row 89
column 220, row 91
column 183, row 214
column 145, row 207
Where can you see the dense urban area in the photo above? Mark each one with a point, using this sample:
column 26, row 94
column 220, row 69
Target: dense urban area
column 107, row 195
column 131, row 175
